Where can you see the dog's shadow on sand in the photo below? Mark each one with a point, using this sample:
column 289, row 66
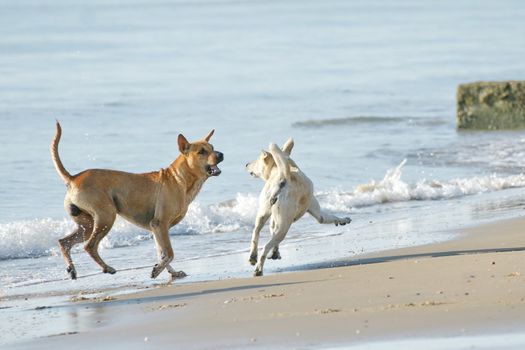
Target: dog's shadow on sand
column 172, row 295
column 391, row 258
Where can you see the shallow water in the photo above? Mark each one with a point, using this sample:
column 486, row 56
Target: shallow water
column 361, row 86
column 506, row 341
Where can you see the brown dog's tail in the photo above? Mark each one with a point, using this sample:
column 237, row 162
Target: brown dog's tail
column 64, row 174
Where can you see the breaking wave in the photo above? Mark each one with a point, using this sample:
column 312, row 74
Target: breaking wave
column 393, row 189
column 38, row 237
column 355, row 120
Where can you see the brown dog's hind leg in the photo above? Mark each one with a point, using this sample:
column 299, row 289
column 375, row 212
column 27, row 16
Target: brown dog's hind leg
column 66, row 244
column 174, row 273
column 102, row 226
column 81, row 233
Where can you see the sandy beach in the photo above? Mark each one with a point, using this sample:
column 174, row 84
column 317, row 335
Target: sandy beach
column 470, row 286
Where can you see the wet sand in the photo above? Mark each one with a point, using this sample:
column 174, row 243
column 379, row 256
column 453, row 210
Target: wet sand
column 473, row 285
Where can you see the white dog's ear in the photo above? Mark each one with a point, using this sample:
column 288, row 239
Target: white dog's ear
column 265, row 154
column 288, row 145
column 207, row 138
column 184, row 145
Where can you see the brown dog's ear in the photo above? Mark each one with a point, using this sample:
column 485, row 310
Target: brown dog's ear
column 184, row 145
column 207, row 138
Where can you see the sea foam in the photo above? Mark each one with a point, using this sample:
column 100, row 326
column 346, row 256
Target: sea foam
column 393, row 189
column 38, row 237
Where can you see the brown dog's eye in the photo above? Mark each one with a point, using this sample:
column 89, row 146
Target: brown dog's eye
column 203, row 152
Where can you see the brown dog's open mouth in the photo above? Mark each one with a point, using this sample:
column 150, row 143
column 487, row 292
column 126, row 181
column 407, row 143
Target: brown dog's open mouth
column 213, row 170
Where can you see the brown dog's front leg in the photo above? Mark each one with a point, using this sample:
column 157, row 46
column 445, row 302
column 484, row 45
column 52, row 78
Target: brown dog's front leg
column 164, row 250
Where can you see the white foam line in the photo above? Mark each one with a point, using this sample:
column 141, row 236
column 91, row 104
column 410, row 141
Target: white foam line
column 502, row 341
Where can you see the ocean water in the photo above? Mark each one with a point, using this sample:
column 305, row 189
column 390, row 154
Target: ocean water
column 365, row 88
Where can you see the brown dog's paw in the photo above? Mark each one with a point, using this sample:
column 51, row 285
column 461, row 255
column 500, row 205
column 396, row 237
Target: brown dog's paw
column 156, row 271
column 72, row 272
column 178, row 274
column 109, row 270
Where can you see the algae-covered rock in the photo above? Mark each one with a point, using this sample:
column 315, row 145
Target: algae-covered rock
column 491, row 105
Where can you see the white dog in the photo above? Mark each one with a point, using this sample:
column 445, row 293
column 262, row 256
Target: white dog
column 286, row 196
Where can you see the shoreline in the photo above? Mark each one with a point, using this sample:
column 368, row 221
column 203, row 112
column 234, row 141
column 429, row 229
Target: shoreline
column 471, row 285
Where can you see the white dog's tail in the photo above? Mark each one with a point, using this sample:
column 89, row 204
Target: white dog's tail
column 283, row 166
column 281, row 160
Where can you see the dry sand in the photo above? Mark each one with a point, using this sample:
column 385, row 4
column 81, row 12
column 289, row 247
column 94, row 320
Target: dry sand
column 472, row 285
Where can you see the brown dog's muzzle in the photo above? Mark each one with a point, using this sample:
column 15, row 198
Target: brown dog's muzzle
column 220, row 157
column 213, row 170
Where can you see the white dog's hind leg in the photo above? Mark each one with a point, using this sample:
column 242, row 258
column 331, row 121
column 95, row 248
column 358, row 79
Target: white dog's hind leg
column 325, row 218
column 276, row 255
column 275, row 252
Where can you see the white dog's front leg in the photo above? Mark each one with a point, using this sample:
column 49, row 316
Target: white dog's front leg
column 325, row 218
column 277, row 237
column 260, row 220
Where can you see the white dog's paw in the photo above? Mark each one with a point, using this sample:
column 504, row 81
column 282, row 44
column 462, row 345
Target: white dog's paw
column 343, row 221
column 253, row 259
column 257, row 273
column 275, row 255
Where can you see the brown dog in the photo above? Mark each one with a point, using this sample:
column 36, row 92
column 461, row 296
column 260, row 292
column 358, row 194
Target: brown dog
column 154, row 201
